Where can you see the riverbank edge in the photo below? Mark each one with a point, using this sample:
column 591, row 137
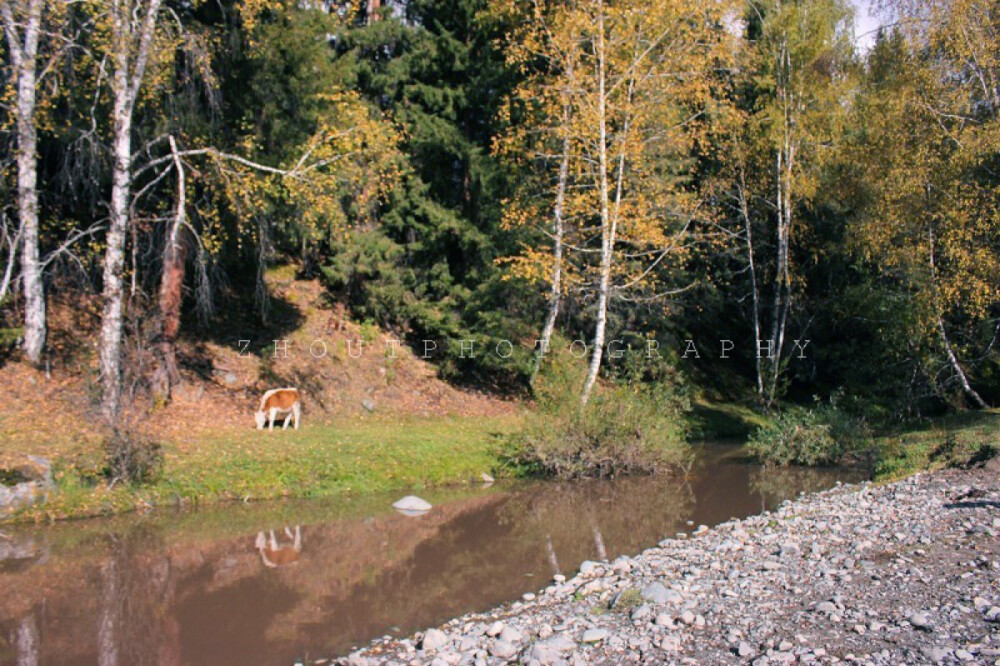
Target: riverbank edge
column 652, row 608
column 361, row 456
column 392, row 454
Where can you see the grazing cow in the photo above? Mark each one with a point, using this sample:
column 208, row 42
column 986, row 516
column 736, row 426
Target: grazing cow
column 273, row 555
column 278, row 402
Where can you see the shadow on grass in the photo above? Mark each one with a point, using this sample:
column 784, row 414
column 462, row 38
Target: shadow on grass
column 709, row 420
column 972, row 419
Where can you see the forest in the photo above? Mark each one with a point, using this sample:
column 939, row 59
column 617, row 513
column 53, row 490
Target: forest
column 624, row 174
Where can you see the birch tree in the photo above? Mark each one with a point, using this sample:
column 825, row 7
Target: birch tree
column 133, row 30
column 932, row 228
column 796, row 57
column 538, row 143
column 23, row 29
column 638, row 86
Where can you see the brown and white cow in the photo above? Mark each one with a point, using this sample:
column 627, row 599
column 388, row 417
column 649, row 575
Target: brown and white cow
column 278, row 402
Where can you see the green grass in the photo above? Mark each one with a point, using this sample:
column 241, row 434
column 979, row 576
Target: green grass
column 361, row 456
column 911, row 449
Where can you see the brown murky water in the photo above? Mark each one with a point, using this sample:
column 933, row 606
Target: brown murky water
column 209, row 587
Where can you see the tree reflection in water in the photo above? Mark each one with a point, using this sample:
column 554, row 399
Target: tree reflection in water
column 136, row 625
column 774, row 485
column 191, row 588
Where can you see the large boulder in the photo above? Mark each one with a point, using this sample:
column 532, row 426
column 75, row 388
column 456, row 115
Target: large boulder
column 24, row 479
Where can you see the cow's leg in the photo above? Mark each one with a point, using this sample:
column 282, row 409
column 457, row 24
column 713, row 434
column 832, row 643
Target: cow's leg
column 274, row 542
column 287, row 419
column 273, row 415
column 296, row 410
column 297, row 543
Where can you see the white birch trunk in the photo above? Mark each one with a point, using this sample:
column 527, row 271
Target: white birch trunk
column 784, row 171
column 755, row 291
column 23, row 50
column 607, row 241
column 126, row 81
column 963, row 379
column 555, row 293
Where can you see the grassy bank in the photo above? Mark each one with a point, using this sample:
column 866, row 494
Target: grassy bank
column 361, row 455
column 953, row 440
column 358, row 456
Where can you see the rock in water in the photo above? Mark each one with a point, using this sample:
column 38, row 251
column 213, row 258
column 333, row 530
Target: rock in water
column 411, row 505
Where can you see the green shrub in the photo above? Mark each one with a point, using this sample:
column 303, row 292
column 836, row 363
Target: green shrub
column 625, row 429
column 132, row 457
column 821, row 435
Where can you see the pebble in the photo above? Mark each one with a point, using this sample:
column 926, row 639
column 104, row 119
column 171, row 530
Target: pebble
column 595, row 635
column 919, row 620
column 434, row 639
column 502, row 649
column 658, row 593
column 664, row 620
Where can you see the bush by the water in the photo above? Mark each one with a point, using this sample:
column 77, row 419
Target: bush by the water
column 132, row 456
column 820, row 435
column 625, row 429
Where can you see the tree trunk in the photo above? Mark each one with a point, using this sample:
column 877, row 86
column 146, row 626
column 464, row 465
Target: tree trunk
column 755, row 292
column 784, row 170
column 555, row 294
column 114, row 257
column 24, row 51
column 166, row 374
column 606, row 240
column 126, row 81
column 963, row 379
column 14, row 245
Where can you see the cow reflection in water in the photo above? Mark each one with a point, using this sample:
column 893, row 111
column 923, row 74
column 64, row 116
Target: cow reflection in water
column 273, row 555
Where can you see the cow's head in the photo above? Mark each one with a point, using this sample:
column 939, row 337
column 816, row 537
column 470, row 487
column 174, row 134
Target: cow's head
column 260, row 418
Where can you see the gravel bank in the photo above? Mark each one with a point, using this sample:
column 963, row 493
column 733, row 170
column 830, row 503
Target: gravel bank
column 907, row 573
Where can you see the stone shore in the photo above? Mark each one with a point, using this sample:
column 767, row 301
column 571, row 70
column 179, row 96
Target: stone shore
column 904, row 573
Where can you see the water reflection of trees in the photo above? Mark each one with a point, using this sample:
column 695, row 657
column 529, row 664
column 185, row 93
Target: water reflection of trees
column 776, row 484
column 135, row 624
column 143, row 595
column 597, row 519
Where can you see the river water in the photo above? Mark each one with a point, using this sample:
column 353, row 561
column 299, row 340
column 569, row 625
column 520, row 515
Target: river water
column 209, row 586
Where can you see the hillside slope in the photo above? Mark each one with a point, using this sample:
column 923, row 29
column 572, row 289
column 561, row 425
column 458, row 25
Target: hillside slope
column 343, row 369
